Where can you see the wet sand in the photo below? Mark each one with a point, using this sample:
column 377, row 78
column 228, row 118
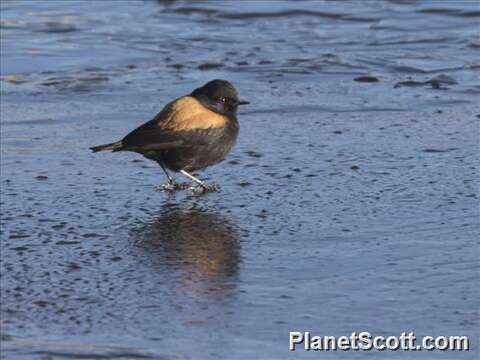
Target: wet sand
column 350, row 202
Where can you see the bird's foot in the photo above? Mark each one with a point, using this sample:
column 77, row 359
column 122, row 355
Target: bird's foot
column 204, row 189
column 172, row 186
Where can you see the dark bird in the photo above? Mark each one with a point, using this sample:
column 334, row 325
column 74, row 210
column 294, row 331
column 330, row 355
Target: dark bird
column 190, row 133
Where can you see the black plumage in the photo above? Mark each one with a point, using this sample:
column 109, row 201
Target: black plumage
column 190, row 133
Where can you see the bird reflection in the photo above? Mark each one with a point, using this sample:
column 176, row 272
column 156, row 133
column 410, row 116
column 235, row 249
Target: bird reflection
column 201, row 247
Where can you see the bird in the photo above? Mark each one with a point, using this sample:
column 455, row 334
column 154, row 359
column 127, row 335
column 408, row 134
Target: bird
column 190, row 133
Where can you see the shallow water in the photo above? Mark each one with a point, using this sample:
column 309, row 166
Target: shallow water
column 349, row 204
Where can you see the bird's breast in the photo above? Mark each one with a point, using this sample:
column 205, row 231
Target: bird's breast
column 203, row 148
column 187, row 113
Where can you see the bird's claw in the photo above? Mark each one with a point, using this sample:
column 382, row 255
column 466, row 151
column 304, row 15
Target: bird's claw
column 172, row 186
column 203, row 189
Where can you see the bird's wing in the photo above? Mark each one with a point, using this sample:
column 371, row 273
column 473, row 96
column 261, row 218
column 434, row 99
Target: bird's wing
column 150, row 136
column 172, row 127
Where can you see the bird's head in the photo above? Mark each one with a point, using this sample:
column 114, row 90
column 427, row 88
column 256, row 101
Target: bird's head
column 219, row 96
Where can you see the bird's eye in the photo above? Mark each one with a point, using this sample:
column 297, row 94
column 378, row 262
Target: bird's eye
column 222, row 99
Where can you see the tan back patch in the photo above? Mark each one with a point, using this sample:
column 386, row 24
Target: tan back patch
column 187, row 113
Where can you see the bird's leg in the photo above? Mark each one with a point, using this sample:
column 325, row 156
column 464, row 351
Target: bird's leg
column 205, row 187
column 171, row 185
column 170, row 180
column 191, row 177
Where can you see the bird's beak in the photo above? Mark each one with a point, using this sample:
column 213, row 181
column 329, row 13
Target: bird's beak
column 243, row 102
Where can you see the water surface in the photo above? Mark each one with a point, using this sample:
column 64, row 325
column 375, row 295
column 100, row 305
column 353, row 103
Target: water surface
column 349, row 204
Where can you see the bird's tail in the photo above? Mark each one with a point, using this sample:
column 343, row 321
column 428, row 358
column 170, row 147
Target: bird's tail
column 116, row 146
